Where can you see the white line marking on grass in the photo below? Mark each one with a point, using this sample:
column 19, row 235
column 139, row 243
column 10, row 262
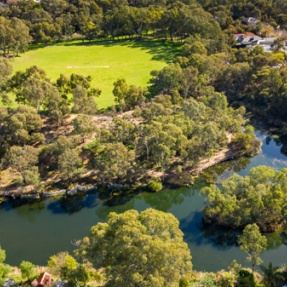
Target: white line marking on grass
column 86, row 67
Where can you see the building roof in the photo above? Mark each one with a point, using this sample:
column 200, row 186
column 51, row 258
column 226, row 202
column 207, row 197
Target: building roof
column 250, row 21
column 249, row 40
column 248, row 34
column 44, row 277
column 267, row 41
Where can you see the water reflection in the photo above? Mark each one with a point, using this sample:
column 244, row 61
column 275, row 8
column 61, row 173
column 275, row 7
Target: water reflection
column 65, row 219
column 103, row 211
column 220, row 172
column 75, row 204
column 166, row 199
column 221, row 236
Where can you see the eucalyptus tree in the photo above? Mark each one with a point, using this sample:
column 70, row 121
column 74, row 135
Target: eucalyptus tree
column 138, row 249
column 253, row 243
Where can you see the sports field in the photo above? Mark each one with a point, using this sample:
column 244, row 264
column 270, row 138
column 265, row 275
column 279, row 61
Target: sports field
column 105, row 62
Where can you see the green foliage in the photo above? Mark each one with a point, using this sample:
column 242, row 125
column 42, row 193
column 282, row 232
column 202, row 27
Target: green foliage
column 258, row 198
column 155, row 186
column 91, row 146
column 207, row 280
column 271, row 275
column 69, row 163
column 31, row 176
column 62, row 264
column 253, row 243
column 245, row 279
column 4, row 268
column 83, row 103
column 2, row 255
column 183, row 282
column 128, row 96
column 226, row 280
column 85, row 126
column 27, row 269
column 147, row 241
column 15, row 36
column 5, row 70
column 234, row 267
column 19, row 126
column 115, row 161
column 23, row 160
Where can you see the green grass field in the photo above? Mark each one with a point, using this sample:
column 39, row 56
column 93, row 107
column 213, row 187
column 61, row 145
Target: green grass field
column 132, row 60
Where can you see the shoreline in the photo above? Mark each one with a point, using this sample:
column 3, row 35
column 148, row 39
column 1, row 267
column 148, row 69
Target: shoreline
column 172, row 179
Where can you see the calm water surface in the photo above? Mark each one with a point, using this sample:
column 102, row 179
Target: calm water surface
column 36, row 231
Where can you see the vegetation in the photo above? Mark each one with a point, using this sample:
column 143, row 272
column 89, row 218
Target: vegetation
column 159, row 130
column 104, row 62
column 258, row 198
column 27, row 269
column 271, row 275
column 145, row 249
column 253, row 243
column 172, row 132
column 4, row 268
column 152, row 244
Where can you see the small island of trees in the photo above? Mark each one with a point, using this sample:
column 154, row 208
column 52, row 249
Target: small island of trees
column 260, row 197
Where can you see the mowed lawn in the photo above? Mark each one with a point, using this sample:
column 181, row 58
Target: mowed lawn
column 132, row 60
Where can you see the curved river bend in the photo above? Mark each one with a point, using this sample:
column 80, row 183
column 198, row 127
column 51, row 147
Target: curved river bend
column 36, row 231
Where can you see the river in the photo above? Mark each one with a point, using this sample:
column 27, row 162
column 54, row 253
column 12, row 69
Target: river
column 36, row 231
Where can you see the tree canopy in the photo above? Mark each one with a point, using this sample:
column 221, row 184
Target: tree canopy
column 260, row 198
column 138, row 249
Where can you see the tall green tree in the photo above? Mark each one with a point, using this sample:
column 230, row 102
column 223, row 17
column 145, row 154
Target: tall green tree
column 138, row 249
column 22, row 159
column 253, row 243
column 85, row 126
column 69, row 163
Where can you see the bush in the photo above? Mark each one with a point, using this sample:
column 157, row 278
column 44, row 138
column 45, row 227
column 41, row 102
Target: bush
column 155, row 186
column 245, row 279
column 183, row 283
column 90, row 146
column 27, row 269
column 31, row 176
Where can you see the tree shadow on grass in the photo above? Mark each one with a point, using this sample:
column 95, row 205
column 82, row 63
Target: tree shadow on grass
column 161, row 50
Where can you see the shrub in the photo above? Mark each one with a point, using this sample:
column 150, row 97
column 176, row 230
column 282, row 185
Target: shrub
column 31, row 176
column 90, row 146
column 155, row 186
column 183, row 283
column 245, row 279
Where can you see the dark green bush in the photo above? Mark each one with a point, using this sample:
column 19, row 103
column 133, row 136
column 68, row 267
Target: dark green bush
column 183, row 283
column 245, row 279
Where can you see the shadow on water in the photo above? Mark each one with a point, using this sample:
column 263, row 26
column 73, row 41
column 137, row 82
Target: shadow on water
column 199, row 233
column 220, row 172
column 222, row 237
column 103, row 211
column 25, row 209
column 72, row 205
column 212, row 247
column 277, row 135
column 167, row 198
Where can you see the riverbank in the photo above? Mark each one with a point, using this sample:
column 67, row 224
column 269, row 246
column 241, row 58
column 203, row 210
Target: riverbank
column 89, row 181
